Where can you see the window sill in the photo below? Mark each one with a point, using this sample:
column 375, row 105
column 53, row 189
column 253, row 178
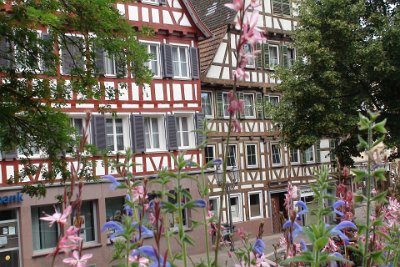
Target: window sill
column 150, row 3
column 209, row 116
column 155, row 150
column 252, row 167
column 256, row 218
column 277, row 165
column 181, row 78
column 45, row 252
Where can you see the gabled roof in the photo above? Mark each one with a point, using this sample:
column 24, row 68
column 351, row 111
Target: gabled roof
column 213, row 13
column 195, row 16
column 208, row 48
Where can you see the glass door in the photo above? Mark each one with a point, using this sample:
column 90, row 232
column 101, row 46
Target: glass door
column 9, row 239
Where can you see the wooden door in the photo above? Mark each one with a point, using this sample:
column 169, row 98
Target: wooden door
column 276, row 216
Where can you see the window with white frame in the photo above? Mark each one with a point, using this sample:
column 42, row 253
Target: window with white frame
column 255, row 209
column 88, row 221
column 309, row 154
column 250, row 57
column 213, row 205
column 249, row 107
column 183, row 131
column 273, row 100
column 151, row 1
column 209, row 153
column 43, row 236
column 236, row 208
column 78, row 124
column 180, row 61
column 114, row 134
column 206, row 103
column 114, row 212
column 281, row 7
column 152, row 133
column 231, row 157
column 251, row 155
column 225, row 104
column 276, row 154
column 273, row 51
column 174, row 217
column 109, row 65
column 294, row 155
column 154, row 61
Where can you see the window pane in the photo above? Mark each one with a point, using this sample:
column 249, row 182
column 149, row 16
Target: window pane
column 118, row 126
column 255, row 205
column 43, row 236
column 175, row 54
column 110, row 142
column 87, row 220
column 225, row 101
column 78, row 125
column 206, row 103
column 176, row 69
column 147, row 131
column 185, row 138
column 120, row 142
column 182, row 53
column 156, row 140
column 209, row 153
column 231, row 156
column 184, row 124
column 109, row 126
column 213, row 205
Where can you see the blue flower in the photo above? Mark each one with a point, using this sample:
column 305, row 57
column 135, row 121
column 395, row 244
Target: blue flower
column 303, row 245
column 113, row 180
column 296, row 228
column 336, row 256
column 259, row 247
column 200, row 203
column 336, row 205
column 127, row 207
column 337, row 230
column 116, row 226
column 303, row 207
column 150, row 252
column 146, row 233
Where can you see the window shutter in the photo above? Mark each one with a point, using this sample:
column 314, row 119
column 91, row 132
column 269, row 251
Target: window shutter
column 220, row 105
column 72, row 54
column 47, row 57
column 9, row 155
column 199, row 121
column 266, row 56
column 259, row 56
column 172, row 132
column 285, row 56
column 260, row 106
column 194, row 59
column 137, row 133
column 120, row 65
column 99, row 61
column 317, row 152
column 166, row 51
column 99, row 131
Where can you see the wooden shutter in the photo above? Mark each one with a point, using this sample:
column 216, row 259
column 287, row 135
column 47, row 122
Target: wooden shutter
column 194, row 60
column 259, row 56
column 99, row 61
column 99, row 131
column 9, row 155
column 266, row 56
column 317, row 152
column 259, row 106
column 285, row 56
column 220, row 105
column 166, row 52
column 172, row 132
column 199, row 121
column 137, row 133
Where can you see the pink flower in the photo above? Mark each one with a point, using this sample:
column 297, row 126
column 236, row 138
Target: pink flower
column 251, row 34
column 210, row 215
column 236, row 126
column 236, row 5
column 240, row 74
column 254, row 3
column 70, row 240
column 152, row 218
column 142, row 261
column 77, row 261
column 241, row 233
column 331, row 246
column 57, row 216
column 137, row 193
column 236, row 106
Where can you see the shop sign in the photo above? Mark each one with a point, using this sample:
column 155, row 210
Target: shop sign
column 306, row 192
column 16, row 198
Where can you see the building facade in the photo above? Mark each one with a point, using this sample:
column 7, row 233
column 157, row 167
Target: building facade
column 155, row 120
column 265, row 165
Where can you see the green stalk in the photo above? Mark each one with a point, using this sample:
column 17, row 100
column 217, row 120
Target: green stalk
column 181, row 230
column 368, row 226
column 202, row 193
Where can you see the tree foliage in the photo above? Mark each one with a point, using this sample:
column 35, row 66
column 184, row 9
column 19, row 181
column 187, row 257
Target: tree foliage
column 348, row 60
column 33, row 91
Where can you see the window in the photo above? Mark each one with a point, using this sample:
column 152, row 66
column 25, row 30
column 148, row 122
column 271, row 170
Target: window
column 77, row 123
column 88, row 220
column 273, row 100
column 183, row 131
column 231, row 159
column 43, row 236
column 150, row 1
column 154, row 62
column 250, row 59
column 273, row 56
column 255, row 205
column 276, row 154
column 152, row 133
column 72, row 54
column 109, row 65
column 236, row 208
column 114, row 134
column 309, row 154
column 206, row 103
column 114, row 212
column 225, row 104
column 249, row 105
column 174, row 217
column 213, row 205
column 294, row 155
column 251, row 152
column 209, row 153
column 180, row 61
column 281, row 7
column 288, row 56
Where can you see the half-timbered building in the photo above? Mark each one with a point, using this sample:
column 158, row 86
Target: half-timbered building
column 265, row 164
column 156, row 120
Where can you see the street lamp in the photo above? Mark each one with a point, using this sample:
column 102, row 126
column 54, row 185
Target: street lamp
column 230, row 184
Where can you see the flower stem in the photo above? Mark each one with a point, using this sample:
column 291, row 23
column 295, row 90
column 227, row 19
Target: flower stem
column 369, row 178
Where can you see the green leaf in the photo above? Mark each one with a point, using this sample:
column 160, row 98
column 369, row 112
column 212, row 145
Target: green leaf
column 380, row 127
column 377, row 256
column 321, row 242
column 359, row 198
column 305, row 257
column 380, row 174
column 360, row 174
column 364, row 122
column 362, row 144
column 381, row 197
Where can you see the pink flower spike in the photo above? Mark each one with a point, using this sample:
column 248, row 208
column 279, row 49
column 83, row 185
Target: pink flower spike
column 58, row 217
column 236, row 5
column 77, row 261
column 236, row 127
column 138, row 192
